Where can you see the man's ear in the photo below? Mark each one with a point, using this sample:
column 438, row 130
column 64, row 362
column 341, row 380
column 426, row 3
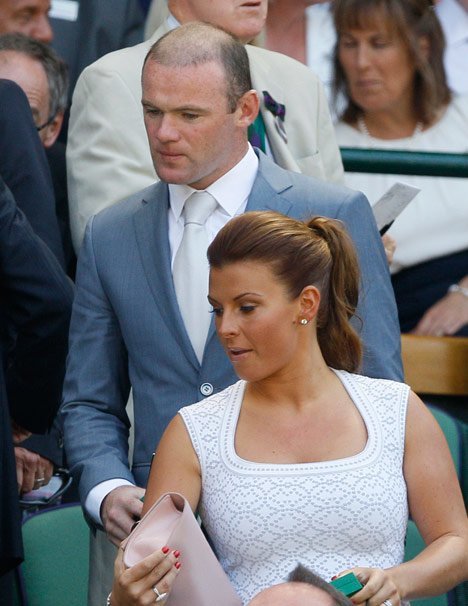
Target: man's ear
column 51, row 131
column 248, row 107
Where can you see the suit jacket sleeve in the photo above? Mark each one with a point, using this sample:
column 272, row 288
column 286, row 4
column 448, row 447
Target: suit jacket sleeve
column 376, row 317
column 36, row 303
column 107, row 151
column 97, row 386
column 24, row 167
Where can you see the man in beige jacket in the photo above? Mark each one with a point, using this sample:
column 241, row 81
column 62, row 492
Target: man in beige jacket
column 108, row 155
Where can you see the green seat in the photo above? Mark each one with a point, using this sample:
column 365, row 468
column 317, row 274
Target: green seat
column 56, row 548
column 452, row 429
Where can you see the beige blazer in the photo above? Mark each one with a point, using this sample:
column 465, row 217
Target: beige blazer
column 108, row 155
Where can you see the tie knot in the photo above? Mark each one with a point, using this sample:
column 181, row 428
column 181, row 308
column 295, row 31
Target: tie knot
column 198, row 207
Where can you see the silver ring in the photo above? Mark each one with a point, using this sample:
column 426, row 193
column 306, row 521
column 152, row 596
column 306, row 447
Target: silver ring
column 39, row 481
column 387, row 603
column 162, row 596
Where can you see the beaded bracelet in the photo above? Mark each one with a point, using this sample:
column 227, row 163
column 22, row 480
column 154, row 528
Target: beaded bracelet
column 108, row 602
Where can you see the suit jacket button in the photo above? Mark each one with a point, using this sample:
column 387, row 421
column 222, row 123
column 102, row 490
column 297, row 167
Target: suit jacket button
column 206, row 389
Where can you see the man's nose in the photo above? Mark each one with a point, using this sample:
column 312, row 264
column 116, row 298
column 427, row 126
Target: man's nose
column 166, row 129
column 42, row 30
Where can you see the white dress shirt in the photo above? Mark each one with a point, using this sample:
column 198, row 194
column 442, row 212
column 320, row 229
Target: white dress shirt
column 231, row 192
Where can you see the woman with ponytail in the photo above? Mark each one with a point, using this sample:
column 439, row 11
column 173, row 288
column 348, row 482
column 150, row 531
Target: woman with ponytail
column 303, row 460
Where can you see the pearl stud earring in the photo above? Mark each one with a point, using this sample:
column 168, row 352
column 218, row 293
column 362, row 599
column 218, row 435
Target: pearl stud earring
column 304, row 321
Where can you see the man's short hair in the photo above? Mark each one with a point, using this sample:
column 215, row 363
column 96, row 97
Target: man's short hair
column 199, row 43
column 55, row 68
column 301, row 574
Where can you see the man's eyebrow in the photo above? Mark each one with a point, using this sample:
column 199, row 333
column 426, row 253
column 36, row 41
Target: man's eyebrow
column 182, row 108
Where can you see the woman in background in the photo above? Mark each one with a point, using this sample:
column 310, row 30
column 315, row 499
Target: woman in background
column 389, row 66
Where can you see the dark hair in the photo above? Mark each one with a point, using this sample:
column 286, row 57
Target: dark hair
column 55, row 68
column 410, row 20
column 198, row 43
column 318, row 253
column 301, row 574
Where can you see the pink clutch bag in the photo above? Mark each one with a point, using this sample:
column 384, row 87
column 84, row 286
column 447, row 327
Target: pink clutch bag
column 201, row 580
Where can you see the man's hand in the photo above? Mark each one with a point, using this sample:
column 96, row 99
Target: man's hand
column 445, row 317
column 389, row 245
column 120, row 509
column 18, row 433
column 32, row 470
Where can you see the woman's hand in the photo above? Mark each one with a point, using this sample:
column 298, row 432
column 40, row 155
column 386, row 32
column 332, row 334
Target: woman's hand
column 379, row 587
column 140, row 584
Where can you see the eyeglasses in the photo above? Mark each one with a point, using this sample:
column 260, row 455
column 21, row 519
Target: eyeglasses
column 49, row 121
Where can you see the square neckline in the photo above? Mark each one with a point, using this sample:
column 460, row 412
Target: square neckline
column 371, row 449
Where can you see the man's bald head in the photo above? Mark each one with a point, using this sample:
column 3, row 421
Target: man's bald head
column 293, row 594
column 28, row 17
column 304, row 588
column 199, row 43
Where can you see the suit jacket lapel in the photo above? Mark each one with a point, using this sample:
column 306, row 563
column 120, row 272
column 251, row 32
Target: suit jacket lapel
column 271, row 182
column 264, row 79
column 151, row 230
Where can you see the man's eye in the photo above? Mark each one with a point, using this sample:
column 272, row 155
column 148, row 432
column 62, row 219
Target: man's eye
column 190, row 116
column 24, row 17
column 152, row 112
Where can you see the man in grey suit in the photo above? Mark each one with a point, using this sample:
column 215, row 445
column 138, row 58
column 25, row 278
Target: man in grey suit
column 127, row 327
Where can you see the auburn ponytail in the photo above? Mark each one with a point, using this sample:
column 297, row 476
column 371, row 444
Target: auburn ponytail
column 339, row 342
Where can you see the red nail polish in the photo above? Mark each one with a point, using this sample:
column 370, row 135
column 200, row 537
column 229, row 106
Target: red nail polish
column 333, row 578
column 177, row 565
column 177, row 553
column 165, row 549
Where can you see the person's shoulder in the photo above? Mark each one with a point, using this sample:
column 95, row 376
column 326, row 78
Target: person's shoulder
column 289, row 67
column 213, row 404
column 11, row 96
column 457, row 110
column 372, row 383
column 123, row 211
column 305, row 188
column 122, row 61
column 125, row 60
column 347, row 135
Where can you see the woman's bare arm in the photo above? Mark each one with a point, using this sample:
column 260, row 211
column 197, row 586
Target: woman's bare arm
column 175, row 467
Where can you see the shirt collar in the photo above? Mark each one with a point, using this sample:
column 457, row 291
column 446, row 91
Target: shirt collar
column 172, row 22
column 230, row 191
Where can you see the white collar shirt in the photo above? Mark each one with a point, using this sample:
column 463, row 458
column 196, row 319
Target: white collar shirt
column 231, row 192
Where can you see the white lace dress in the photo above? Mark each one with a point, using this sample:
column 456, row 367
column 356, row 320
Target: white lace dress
column 265, row 518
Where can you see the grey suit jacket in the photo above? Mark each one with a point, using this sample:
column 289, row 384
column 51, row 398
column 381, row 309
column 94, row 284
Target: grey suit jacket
column 127, row 330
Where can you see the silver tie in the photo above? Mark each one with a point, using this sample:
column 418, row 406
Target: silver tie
column 190, row 271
